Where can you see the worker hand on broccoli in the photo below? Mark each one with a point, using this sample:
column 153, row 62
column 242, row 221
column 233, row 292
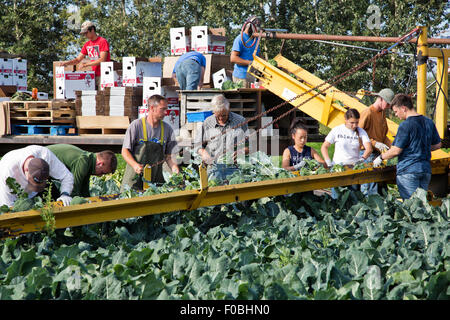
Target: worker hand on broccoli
column 378, row 161
column 300, row 165
column 65, row 199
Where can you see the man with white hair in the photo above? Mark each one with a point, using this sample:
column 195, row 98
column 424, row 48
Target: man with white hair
column 221, row 135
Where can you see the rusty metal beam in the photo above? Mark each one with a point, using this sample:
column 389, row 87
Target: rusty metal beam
column 329, row 37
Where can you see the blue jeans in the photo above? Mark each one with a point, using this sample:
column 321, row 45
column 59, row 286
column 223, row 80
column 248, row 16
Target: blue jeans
column 371, row 187
column 188, row 74
column 408, row 183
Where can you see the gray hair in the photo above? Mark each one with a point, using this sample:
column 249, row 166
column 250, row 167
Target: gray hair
column 220, row 103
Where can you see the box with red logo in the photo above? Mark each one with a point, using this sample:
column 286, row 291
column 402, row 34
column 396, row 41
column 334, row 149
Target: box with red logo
column 6, row 66
column 208, row 40
column 172, row 96
column 109, row 77
column 20, row 81
column 20, row 67
column 173, row 118
column 69, row 82
column 135, row 69
column 6, row 79
column 180, row 41
column 152, row 86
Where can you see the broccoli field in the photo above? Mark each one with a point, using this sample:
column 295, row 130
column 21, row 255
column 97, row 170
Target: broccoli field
column 298, row 246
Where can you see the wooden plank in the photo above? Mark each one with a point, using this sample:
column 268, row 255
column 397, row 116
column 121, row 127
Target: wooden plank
column 109, row 122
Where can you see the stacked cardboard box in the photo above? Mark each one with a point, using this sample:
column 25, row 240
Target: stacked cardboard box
column 13, row 72
column 123, row 101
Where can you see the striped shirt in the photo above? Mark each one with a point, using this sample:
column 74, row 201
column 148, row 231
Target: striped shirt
column 215, row 138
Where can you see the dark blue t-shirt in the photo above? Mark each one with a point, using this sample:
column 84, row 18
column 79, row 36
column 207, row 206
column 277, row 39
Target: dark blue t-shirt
column 415, row 136
column 297, row 157
column 193, row 55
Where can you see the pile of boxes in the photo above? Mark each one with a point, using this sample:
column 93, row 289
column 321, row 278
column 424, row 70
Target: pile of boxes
column 147, row 76
column 13, row 72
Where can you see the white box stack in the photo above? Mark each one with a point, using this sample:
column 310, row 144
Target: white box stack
column 207, row 40
column 6, row 72
column 108, row 76
column 88, row 102
column 152, row 86
column 134, row 71
column 180, row 42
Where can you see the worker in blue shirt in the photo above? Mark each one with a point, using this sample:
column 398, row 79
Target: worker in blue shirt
column 189, row 71
column 241, row 56
column 416, row 137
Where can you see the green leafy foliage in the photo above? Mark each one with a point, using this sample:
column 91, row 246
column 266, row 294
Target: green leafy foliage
column 298, row 246
column 230, row 85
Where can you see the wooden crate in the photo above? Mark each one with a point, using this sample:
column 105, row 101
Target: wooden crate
column 46, row 115
column 246, row 102
column 102, row 125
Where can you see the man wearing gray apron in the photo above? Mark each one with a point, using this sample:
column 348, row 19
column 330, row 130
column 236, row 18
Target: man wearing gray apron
column 149, row 140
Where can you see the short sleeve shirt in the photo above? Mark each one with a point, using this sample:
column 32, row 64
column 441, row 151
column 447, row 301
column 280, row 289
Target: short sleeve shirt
column 216, row 139
column 92, row 49
column 244, row 53
column 415, row 136
column 347, row 144
column 135, row 133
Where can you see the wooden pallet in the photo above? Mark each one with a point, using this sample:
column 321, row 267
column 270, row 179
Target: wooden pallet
column 46, row 130
column 38, row 115
column 43, row 104
column 102, row 125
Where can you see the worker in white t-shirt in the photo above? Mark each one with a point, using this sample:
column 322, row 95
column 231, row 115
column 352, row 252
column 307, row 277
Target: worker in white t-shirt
column 347, row 138
column 31, row 167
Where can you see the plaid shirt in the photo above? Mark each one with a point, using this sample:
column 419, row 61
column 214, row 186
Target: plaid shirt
column 214, row 144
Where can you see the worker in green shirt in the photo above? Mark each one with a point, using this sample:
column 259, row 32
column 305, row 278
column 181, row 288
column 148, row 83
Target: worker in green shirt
column 82, row 164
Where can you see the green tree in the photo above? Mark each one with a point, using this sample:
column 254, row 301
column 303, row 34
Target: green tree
column 36, row 30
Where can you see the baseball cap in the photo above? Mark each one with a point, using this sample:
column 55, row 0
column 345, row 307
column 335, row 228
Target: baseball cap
column 255, row 20
column 38, row 171
column 85, row 26
column 386, row 94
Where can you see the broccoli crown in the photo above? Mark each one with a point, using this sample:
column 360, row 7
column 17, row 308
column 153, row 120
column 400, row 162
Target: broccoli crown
column 23, row 205
column 78, row 200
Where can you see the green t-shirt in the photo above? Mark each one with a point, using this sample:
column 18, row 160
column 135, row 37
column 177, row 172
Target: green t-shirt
column 80, row 163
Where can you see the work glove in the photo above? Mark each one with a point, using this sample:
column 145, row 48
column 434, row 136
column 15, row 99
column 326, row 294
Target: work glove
column 65, row 199
column 377, row 162
column 381, row 146
column 300, row 165
column 329, row 163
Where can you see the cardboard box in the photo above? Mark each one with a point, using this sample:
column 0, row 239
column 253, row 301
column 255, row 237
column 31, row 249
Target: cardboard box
column 6, row 79
column 214, row 63
column 20, row 81
column 6, row 65
column 109, row 75
column 69, row 82
column 152, row 86
column 173, row 118
column 172, row 96
column 20, row 67
column 42, row 96
column 66, row 68
column 180, row 41
column 207, row 40
column 135, row 69
column 219, row 78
